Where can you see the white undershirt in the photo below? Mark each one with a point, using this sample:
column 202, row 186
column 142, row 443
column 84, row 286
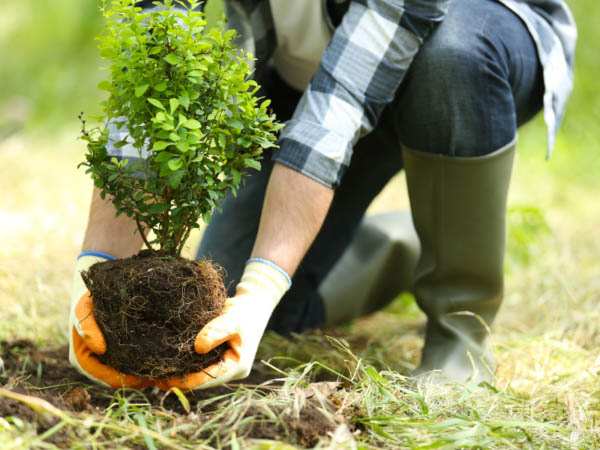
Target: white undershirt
column 302, row 35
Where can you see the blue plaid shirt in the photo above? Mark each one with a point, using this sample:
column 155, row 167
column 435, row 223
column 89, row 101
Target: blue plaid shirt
column 365, row 62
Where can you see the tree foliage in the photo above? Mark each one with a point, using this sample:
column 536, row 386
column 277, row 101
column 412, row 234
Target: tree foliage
column 186, row 100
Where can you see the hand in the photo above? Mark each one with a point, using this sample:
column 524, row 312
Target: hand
column 86, row 339
column 241, row 325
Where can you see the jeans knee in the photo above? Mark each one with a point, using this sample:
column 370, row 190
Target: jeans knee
column 456, row 98
column 450, row 69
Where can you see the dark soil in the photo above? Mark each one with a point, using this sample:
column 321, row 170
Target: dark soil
column 306, row 429
column 150, row 310
column 47, row 374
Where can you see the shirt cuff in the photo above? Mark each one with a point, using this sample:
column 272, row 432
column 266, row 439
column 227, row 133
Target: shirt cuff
column 314, row 151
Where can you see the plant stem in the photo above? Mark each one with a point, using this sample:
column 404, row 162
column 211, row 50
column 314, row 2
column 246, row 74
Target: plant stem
column 165, row 218
column 183, row 240
column 142, row 232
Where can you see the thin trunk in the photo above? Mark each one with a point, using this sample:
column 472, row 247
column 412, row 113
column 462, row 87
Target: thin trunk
column 142, row 232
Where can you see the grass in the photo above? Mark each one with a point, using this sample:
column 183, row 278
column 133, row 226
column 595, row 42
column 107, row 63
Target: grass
column 546, row 393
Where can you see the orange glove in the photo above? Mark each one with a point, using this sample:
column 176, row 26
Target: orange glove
column 86, row 339
column 241, row 325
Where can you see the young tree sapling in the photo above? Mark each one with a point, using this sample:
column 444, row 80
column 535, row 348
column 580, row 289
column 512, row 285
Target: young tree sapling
column 186, row 101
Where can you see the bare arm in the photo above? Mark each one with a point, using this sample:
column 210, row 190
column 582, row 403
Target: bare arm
column 293, row 212
column 107, row 233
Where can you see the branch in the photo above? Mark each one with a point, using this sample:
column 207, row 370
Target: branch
column 141, row 231
column 165, row 219
column 183, row 239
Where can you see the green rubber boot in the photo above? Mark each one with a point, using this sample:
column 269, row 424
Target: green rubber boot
column 459, row 211
column 376, row 267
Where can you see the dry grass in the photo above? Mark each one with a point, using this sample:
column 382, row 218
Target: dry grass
column 546, row 393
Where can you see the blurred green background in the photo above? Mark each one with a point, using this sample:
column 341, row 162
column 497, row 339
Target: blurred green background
column 50, row 69
column 49, row 64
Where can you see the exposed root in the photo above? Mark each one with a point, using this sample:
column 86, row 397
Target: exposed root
column 151, row 308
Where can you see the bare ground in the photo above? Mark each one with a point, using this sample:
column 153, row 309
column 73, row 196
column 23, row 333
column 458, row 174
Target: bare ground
column 47, row 375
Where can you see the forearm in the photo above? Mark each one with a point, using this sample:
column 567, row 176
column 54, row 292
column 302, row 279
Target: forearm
column 294, row 209
column 108, row 233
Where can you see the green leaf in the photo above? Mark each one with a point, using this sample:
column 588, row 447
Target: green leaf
column 156, row 103
column 161, row 145
column 234, row 123
column 244, row 142
column 105, row 85
column 120, row 144
column 160, row 87
column 139, row 91
column 214, row 166
column 182, row 146
column 198, row 73
column 174, row 103
column 252, row 163
column 175, row 163
column 237, row 177
column 222, row 140
column 192, row 124
column 164, row 156
column 216, row 35
column 173, row 59
column 184, row 101
column 164, row 171
column 175, row 178
column 157, row 208
column 108, row 53
column 163, row 134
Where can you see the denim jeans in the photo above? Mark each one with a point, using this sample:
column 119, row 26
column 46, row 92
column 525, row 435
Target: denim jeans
column 473, row 82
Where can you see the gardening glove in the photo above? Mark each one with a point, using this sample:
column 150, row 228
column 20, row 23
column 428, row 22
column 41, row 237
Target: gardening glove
column 86, row 339
column 241, row 325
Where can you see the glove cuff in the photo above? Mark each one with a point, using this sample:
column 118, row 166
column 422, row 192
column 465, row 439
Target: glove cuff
column 101, row 255
column 266, row 276
column 85, row 260
column 274, row 266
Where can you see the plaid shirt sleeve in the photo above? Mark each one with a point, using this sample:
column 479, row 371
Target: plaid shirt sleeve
column 359, row 74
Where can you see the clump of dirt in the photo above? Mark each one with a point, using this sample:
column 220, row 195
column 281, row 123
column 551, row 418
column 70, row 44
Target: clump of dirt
column 150, row 309
column 312, row 423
